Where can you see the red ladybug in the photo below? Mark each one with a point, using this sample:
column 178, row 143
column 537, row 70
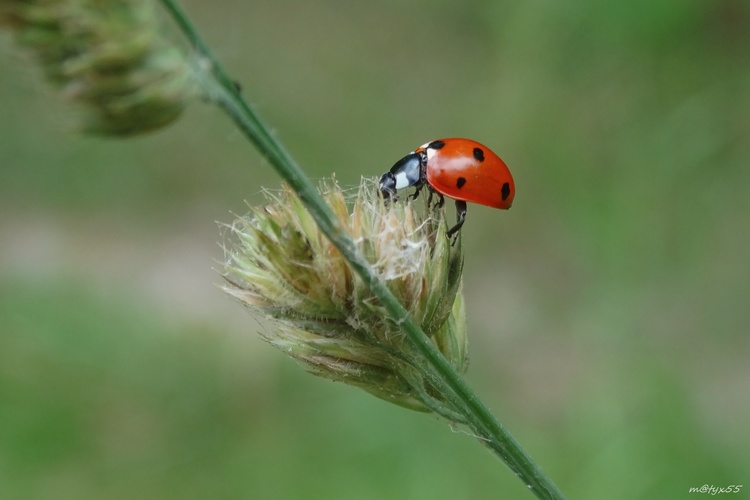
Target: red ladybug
column 461, row 169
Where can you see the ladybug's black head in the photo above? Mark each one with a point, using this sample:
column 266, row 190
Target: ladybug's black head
column 388, row 185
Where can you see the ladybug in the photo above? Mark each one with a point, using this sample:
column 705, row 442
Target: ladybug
column 461, row 169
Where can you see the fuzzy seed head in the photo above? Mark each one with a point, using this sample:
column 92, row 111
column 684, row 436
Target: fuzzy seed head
column 281, row 265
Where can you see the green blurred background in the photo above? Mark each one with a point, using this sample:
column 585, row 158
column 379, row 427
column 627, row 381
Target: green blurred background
column 609, row 310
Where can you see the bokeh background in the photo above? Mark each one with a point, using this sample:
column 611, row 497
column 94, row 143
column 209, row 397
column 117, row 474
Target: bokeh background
column 609, row 310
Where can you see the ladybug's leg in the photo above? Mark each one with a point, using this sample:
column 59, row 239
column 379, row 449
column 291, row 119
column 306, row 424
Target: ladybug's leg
column 429, row 199
column 416, row 193
column 460, row 218
column 440, row 202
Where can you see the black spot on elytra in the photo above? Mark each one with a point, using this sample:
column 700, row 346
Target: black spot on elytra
column 505, row 191
column 478, row 154
column 436, row 145
column 460, row 182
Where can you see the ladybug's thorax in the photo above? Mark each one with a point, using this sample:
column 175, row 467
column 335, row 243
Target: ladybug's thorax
column 407, row 172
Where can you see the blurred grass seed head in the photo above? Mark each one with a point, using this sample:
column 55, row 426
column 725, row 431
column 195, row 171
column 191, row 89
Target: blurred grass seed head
column 107, row 55
column 280, row 265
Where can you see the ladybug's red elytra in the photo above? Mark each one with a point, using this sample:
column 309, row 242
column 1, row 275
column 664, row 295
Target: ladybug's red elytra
column 461, row 169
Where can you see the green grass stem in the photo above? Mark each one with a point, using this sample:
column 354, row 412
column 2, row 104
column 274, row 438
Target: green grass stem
column 223, row 91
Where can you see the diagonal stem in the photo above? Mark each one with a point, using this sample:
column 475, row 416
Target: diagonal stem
column 222, row 89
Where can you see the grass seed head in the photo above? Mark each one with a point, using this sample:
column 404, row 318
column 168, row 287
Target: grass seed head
column 322, row 314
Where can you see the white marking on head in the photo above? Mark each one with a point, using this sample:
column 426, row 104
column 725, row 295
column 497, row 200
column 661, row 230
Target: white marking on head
column 402, row 180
